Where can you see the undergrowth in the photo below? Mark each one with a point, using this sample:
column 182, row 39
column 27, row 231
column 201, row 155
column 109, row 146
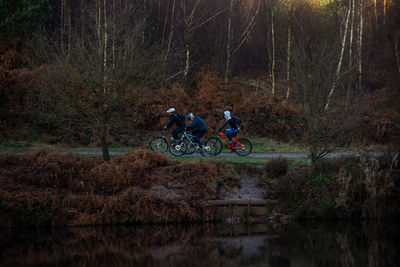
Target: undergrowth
column 48, row 188
column 346, row 187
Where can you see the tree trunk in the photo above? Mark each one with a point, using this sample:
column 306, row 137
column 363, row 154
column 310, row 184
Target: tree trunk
column 228, row 45
column 340, row 58
column 360, row 46
column 247, row 31
column 62, row 25
column 187, row 55
column 288, row 54
column 104, row 143
column 105, row 39
column 113, row 36
column 69, row 26
column 396, row 49
column 376, row 16
column 165, row 24
column 98, row 23
column 144, row 20
column 350, row 55
column 384, row 11
column 273, row 51
column 82, row 24
column 171, row 32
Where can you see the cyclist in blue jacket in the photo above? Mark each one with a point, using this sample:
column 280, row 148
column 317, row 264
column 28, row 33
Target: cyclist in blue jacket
column 198, row 127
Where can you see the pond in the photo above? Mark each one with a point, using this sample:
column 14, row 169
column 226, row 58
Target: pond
column 294, row 244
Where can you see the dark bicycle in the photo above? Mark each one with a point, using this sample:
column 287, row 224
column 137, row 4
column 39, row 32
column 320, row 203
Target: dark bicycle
column 160, row 143
column 241, row 146
column 187, row 141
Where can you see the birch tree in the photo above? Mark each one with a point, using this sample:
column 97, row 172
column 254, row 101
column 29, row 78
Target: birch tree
column 192, row 21
column 248, row 29
column 229, row 42
column 171, row 32
column 233, row 46
column 339, row 66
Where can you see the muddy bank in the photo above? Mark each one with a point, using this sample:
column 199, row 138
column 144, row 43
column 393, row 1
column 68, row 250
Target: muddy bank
column 48, row 188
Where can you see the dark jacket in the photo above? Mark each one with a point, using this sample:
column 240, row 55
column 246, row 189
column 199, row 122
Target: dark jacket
column 179, row 119
column 197, row 124
column 231, row 122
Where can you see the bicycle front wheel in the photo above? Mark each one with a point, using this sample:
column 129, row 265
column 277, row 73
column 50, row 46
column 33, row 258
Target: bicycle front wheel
column 213, row 146
column 158, row 144
column 177, row 148
column 244, row 146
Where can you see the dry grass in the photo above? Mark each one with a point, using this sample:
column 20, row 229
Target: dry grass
column 48, row 188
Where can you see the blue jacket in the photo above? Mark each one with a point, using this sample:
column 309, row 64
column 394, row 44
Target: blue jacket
column 197, row 124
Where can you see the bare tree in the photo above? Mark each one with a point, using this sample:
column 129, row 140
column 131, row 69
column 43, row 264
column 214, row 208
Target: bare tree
column 92, row 85
column 313, row 69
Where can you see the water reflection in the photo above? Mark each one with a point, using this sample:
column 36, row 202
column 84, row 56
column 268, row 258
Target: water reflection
column 316, row 244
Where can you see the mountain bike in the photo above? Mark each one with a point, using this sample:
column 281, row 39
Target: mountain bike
column 187, row 141
column 241, row 146
column 160, row 143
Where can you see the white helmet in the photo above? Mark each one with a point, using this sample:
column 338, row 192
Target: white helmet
column 227, row 114
column 171, row 110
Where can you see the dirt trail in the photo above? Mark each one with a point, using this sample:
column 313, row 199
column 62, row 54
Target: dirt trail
column 289, row 155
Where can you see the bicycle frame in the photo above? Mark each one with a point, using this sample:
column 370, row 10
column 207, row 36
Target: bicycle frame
column 166, row 136
column 190, row 138
column 231, row 145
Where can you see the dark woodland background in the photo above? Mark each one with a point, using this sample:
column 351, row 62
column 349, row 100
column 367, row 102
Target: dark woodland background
column 103, row 72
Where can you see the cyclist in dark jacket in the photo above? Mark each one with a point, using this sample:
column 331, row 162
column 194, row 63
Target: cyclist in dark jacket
column 230, row 132
column 178, row 119
column 198, row 126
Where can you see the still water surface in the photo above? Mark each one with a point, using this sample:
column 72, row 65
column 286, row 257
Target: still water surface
column 295, row 244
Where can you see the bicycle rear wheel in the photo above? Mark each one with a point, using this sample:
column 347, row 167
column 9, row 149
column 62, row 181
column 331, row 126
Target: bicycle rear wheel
column 214, row 146
column 246, row 149
column 159, row 144
column 178, row 147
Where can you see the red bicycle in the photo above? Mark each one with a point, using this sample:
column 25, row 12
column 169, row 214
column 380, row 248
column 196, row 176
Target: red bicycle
column 241, row 146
